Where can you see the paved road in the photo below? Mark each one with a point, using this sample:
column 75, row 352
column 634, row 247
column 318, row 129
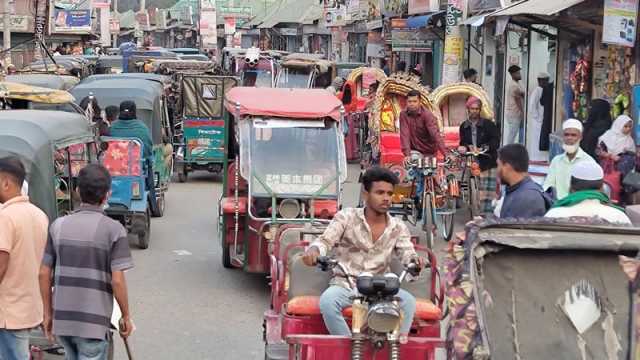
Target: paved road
column 184, row 303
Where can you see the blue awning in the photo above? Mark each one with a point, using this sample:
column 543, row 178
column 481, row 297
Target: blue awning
column 416, row 22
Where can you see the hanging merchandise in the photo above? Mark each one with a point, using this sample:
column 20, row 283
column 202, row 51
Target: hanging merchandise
column 620, row 77
column 579, row 80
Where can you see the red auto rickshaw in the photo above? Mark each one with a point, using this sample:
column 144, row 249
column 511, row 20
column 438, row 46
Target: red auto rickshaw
column 285, row 167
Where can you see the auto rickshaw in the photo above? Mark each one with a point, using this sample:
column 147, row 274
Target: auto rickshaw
column 285, row 170
column 151, row 104
column 74, row 65
column 293, row 326
column 451, row 100
column 355, row 97
column 51, row 81
column 18, row 96
column 305, row 71
column 201, row 123
column 543, row 289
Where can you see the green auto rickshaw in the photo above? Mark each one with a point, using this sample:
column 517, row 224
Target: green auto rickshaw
column 150, row 99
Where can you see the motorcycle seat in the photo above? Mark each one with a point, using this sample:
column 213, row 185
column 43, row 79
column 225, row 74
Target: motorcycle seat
column 310, row 305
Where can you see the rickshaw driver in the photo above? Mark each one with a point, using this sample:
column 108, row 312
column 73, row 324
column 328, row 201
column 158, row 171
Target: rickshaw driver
column 419, row 129
column 364, row 240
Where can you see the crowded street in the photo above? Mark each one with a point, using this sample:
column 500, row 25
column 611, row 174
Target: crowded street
column 319, row 180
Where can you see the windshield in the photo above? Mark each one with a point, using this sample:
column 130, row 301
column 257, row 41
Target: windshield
column 291, row 159
column 294, row 78
column 256, row 78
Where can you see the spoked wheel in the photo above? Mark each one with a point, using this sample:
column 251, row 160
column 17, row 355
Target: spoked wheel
column 474, row 197
column 446, row 218
column 428, row 219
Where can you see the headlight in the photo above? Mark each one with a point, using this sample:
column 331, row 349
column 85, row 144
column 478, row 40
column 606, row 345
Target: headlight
column 289, row 209
column 384, row 317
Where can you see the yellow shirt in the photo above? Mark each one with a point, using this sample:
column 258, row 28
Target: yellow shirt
column 23, row 234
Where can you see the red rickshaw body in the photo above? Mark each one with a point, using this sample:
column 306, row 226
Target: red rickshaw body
column 293, row 325
column 249, row 238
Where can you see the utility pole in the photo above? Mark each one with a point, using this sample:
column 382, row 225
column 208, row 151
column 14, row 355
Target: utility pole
column 116, row 15
column 453, row 41
column 6, row 31
column 142, row 5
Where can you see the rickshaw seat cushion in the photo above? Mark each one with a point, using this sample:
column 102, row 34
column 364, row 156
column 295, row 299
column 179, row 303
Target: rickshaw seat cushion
column 229, row 206
column 310, row 305
column 451, row 137
column 390, row 149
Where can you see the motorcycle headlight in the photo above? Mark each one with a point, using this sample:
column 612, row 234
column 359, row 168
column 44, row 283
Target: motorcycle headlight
column 289, row 209
column 384, row 317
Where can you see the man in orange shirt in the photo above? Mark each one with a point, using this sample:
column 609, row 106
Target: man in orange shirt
column 23, row 235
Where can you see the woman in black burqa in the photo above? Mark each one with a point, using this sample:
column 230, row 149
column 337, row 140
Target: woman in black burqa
column 598, row 122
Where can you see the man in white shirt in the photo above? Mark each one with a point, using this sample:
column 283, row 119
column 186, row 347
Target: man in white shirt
column 586, row 198
column 559, row 175
column 536, row 115
column 514, row 106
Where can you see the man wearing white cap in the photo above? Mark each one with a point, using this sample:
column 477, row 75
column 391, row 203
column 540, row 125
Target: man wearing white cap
column 586, row 198
column 559, row 175
column 536, row 115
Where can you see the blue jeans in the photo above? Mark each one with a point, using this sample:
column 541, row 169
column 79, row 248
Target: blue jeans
column 336, row 298
column 14, row 344
column 77, row 348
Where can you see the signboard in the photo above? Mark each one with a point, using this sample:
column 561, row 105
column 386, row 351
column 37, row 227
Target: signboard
column 393, row 8
column 102, row 4
column 482, row 5
column 336, row 17
column 19, row 23
column 72, row 20
column 229, row 25
column 208, row 24
column 411, row 40
column 423, row 6
column 357, row 10
column 374, row 24
column 620, row 22
column 373, row 11
column 142, row 18
column 244, row 12
column 288, row 31
column 375, row 45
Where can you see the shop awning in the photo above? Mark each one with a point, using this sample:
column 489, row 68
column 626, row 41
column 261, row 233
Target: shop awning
column 536, row 7
column 416, row 22
column 292, row 11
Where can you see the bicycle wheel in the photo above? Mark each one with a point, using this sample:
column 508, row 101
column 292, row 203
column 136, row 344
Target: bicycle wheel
column 428, row 217
column 474, row 197
column 446, row 219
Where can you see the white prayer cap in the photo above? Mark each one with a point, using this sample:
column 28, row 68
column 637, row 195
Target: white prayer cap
column 587, row 170
column 543, row 75
column 572, row 124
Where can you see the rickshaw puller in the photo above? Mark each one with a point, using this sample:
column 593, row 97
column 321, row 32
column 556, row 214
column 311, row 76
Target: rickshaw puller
column 364, row 240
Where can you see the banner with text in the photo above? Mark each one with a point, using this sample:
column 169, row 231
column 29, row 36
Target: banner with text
column 620, row 22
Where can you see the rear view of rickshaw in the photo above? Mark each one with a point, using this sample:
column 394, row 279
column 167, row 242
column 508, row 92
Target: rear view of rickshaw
column 543, row 289
column 144, row 181
column 427, row 191
column 201, row 126
column 450, row 99
column 305, row 71
column 285, row 170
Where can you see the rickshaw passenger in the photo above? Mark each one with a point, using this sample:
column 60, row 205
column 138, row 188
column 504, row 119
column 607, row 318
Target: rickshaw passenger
column 586, row 198
column 364, row 240
column 128, row 126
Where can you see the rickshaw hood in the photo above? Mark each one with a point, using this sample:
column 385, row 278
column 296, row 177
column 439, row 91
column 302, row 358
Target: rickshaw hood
column 286, row 103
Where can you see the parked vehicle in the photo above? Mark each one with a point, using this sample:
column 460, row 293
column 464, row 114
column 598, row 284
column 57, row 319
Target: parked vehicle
column 286, row 167
column 506, row 287
column 305, row 71
column 50, row 81
column 18, row 96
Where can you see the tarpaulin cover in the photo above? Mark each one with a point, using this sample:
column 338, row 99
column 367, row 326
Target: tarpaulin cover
column 505, row 279
column 287, row 103
column 203, row 96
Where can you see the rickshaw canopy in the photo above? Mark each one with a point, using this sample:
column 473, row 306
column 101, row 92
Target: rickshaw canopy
column 284, row 103
column 50, row 81
column 114, row 90
column 33, row 136
column 12, row 90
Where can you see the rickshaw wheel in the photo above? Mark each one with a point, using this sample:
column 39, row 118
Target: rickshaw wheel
column 427, row 219
column 447, row 220
column 474, row 200
column 143, row 238
column 226, row 255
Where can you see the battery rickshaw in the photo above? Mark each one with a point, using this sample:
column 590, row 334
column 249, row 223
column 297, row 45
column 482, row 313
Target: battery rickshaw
column 285, row 170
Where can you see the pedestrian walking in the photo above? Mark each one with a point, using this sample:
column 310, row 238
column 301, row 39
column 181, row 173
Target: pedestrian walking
column 23, row 235
column 89, row 253
column 514, row 112
column 523, row 198
column 536, row 118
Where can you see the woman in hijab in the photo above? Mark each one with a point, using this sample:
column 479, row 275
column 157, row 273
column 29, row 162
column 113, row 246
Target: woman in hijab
column 617, row 145
column 598, row 122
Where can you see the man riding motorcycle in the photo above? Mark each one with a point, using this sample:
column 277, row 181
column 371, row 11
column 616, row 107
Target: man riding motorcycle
column 364, row 240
